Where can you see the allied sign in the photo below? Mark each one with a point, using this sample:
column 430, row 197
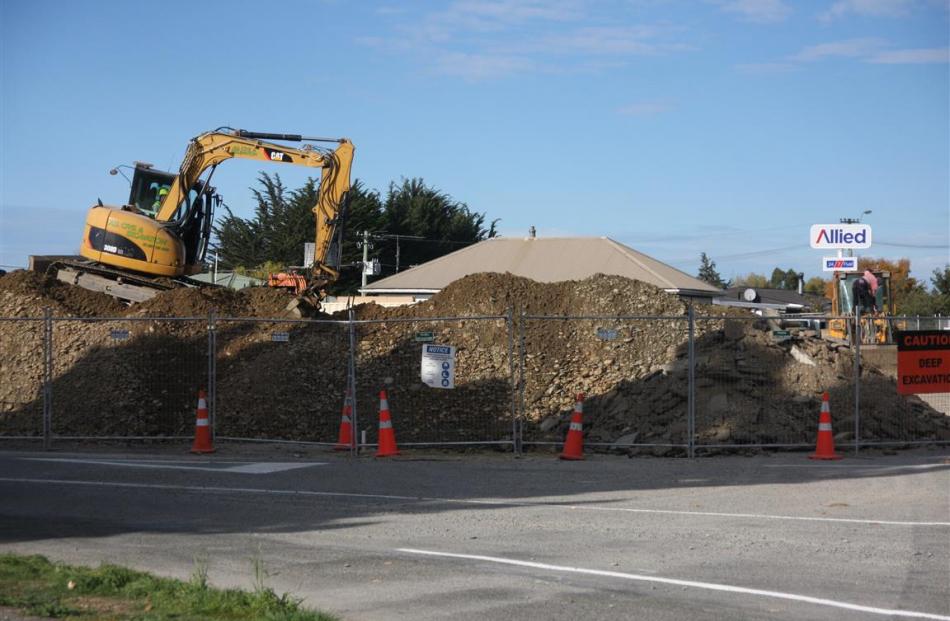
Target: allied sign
column 839, row 264
column 438, row 366
column 425, row 337
column 923, row 361
column 840, row 236
column 280, row 337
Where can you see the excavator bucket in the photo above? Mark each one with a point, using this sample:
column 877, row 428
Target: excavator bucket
column 304, row 305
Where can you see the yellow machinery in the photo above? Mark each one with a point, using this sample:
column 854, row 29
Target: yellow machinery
column 875, row 326
column 163, row 232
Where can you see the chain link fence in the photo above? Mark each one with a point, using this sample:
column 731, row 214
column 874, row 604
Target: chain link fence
column 279, row 380
column 633, row 372
column 23, row 378
column 130, row 378
column 478, row 410
column 661, row 385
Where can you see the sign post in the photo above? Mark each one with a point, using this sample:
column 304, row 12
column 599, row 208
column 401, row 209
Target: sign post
column 923, row 361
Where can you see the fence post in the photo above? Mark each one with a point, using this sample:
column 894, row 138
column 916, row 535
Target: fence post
column 691, row 386
column 523, row 381
column 858, row 337
column 509, row 329
column 47, row 378
column 351, row 380
column 212, row 372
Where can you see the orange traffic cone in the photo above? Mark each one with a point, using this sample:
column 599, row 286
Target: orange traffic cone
column 345, row 442
column 825, row 448
column 574, row 445
column 387, row 437
column 202, row 442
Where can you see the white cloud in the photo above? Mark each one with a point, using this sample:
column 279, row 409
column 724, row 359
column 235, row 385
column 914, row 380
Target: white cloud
column 913, row 56
column 607, row 40
column 645, row 108
column 766, row 68
column 848, row 48
column 481, row 66
column 869, row 8
column 871, row 51
column 483, row 39
column 759, row 11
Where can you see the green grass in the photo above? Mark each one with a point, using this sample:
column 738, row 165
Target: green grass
column 39, row 587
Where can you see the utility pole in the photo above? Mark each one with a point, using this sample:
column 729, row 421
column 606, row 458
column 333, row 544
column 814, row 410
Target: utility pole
column 852, row 221
column 365, row 255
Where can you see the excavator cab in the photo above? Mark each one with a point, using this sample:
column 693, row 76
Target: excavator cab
column 875, row 327
column 194, row 216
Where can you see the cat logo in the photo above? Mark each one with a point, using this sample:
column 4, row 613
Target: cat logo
column 276, row 156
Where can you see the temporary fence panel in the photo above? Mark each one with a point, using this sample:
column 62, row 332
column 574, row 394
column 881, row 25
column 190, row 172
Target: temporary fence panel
column 461, row 394
column 634, row 372
column 127, row 378
column 887, row 417
column 279, row 380
column 759, row 381
column 23, row 365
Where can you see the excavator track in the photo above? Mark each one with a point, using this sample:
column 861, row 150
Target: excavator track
column 122, row 285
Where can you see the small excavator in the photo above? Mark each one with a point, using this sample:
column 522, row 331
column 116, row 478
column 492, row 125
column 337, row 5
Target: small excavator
column 160, row 238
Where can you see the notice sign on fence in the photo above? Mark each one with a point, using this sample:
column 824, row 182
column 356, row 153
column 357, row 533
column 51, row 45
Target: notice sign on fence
column 438, row 366
column 923, row 361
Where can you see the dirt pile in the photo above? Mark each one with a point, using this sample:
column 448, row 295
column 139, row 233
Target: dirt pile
column 27, row 294
column 138, row 374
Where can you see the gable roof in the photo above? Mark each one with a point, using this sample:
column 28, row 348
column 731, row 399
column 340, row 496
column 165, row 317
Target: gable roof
column 548, row 259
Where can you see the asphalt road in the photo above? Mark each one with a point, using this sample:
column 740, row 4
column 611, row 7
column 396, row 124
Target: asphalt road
column 491, row 537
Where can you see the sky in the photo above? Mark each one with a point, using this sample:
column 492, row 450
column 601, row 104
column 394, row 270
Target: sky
column 676, row 127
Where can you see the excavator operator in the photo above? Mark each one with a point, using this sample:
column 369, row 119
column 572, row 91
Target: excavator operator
column 864, row 290
column 159, row 197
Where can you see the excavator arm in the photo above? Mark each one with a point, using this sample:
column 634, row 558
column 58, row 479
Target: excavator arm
column 210, row 149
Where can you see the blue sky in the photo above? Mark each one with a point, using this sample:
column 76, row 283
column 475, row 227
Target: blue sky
column 676, row 127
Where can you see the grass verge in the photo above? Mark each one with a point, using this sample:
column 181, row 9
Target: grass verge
column 42, row 588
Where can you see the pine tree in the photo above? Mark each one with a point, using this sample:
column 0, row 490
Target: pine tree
column 708, row 273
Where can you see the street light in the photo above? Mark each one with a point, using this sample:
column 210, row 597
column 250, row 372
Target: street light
column 855, row 220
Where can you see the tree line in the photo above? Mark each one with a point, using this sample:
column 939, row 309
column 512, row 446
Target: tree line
column 911, row 296
column 273, row 238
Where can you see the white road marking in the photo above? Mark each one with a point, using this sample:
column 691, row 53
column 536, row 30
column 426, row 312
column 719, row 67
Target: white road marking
column 461, row 501
column 710, row 586
column 244, row 468
column 840, row 466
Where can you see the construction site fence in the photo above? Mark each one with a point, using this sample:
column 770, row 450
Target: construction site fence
column 660, row 385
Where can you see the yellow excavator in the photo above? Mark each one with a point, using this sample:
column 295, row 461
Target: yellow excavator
column 161, row 236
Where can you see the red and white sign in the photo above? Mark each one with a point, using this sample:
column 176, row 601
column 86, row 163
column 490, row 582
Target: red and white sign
column 923, row 361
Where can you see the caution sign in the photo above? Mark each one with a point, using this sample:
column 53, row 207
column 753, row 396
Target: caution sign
column 923, row 361
column 438, row 366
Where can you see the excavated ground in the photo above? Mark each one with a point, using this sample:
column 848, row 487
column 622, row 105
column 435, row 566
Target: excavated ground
column 137, row 373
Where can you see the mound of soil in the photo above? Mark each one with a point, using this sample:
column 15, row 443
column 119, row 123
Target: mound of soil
column 139, row 373
column 27, row 294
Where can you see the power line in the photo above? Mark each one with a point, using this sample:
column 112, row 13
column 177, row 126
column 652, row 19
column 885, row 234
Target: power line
column 931, row 246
